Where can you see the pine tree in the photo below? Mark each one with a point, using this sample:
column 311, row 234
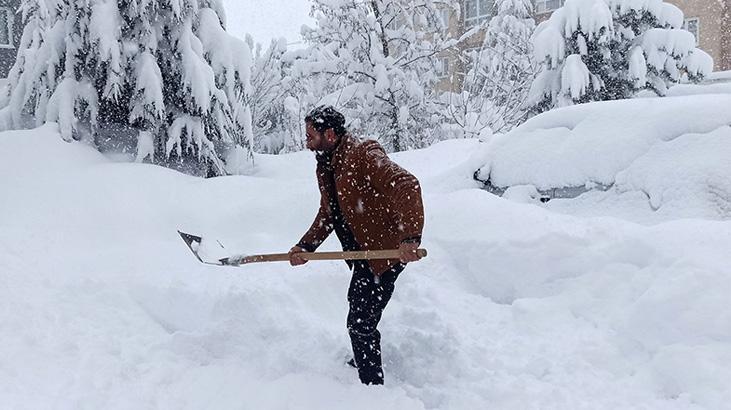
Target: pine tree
column 595, row 50
column 166, row 68
column 379, row 58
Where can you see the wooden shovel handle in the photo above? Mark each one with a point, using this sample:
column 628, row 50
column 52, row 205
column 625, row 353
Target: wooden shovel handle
column 327, row 256
column 367, row 255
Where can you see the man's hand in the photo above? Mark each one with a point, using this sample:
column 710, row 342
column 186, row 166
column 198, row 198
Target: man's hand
column 294, row 258
column 408, row 252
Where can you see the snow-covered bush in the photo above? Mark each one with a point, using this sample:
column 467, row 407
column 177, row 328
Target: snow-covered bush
column 379, row 59
column 496, row 86
column 167, row 68
column 595, row 50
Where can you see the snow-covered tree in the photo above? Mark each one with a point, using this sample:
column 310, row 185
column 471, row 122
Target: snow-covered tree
column 167, row 68
column 268, row 94
column 379, row 57
column 594, row 50
column 303, row 92
column 282, row 94
column 496, row 86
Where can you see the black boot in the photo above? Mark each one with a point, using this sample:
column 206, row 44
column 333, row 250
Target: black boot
column 367, row 352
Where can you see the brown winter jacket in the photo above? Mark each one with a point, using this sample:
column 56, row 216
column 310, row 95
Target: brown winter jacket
column 380, row 201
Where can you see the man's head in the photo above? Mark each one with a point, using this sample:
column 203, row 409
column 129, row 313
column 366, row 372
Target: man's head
column 325, row 126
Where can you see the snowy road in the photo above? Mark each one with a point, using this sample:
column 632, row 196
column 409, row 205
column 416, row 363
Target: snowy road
column 517, row 306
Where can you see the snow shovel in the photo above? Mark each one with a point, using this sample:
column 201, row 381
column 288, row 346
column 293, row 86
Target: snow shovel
column 212, row 253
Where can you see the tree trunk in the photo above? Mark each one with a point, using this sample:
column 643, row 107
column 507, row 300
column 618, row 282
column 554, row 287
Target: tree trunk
column 395, row 132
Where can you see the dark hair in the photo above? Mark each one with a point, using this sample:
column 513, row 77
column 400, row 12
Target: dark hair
column 325, row 117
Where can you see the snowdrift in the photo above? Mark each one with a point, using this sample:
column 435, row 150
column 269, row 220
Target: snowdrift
column 517, row 307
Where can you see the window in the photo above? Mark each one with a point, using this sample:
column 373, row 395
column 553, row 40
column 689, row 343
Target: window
column 477, row 11
column 6, row 27
column 693, row 25
column 444, row 14
column 544, row 6
column 443, row 67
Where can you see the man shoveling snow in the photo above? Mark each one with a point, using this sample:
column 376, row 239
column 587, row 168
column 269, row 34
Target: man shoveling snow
column 370, row 203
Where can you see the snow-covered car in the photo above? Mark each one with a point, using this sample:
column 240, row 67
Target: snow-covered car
column 674, row 148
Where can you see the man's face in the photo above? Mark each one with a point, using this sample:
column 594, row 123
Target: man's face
column 319, row 141
column 314, row 138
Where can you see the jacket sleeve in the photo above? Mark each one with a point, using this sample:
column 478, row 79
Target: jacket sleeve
column 400, row 188
column 321, row 227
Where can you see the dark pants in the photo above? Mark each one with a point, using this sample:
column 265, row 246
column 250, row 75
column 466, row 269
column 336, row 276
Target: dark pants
column 367, row 301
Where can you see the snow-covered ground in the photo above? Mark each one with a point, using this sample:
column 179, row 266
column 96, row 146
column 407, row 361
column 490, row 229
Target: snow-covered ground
column 517, row 306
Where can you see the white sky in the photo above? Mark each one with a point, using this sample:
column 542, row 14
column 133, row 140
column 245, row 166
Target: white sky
column 267, row 19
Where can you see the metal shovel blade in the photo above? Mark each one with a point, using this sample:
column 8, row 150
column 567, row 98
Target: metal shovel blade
column 195, row 244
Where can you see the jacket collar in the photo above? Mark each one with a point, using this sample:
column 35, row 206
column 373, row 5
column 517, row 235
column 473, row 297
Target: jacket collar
column 346, row 142
column 335, row 157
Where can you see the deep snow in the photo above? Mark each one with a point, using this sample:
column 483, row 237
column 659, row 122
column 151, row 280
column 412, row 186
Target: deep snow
column 517, row 306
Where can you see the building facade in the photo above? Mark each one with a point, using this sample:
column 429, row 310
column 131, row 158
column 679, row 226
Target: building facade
column 11, row 28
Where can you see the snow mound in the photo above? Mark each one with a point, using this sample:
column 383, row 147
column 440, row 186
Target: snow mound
column 695, row 89
column 690, row 172
column 591, row 144
column 103, row 306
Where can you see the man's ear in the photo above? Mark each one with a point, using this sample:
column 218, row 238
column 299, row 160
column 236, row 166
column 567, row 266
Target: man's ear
column 330, row 135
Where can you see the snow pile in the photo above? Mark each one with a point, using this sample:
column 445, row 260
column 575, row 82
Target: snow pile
column 720, row 76
column 590, row 144
column 711, row 87
column 692, row 168
column 103, row 306
column 718, row 82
